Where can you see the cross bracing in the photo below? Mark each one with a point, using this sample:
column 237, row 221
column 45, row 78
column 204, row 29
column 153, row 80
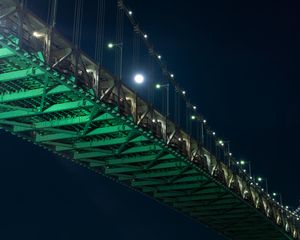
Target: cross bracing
column 111, row 131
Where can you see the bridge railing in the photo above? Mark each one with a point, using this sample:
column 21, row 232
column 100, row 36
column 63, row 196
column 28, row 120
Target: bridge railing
column 36, row 37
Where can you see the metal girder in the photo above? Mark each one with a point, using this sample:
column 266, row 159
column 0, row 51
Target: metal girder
column 196, row 203
column 195, row 178
column 67, row 106
column 178, row 176
column 20, row 74
column 54, row 108
column 153, row 163
column 215, row 207
column 207, row 186
column 131, row 136
column 96, row 154
column 4, row 52
column 222, row 215
column 97, row 131
column 58, row 123
column 26, row 94
column 7, row 12
column 98, row 143
column 140, row 169
column 159, row 174
column 172, row 187
column 193, row 197
column 137, row 159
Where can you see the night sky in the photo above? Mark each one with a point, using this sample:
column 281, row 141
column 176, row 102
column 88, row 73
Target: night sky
column 239, row 63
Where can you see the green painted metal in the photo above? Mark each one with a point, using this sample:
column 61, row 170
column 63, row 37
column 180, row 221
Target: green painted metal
column 42, row 105
column 20, row 74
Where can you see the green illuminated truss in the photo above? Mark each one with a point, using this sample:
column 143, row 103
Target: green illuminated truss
column 47, row 107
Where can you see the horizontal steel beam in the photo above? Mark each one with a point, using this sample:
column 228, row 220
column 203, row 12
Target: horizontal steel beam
column 99, row 143
column 33, row 93
column 5, row 52
column 20, row 74
column 140, row 169
column 138, row 159
column 97, row 131
column 195, row 178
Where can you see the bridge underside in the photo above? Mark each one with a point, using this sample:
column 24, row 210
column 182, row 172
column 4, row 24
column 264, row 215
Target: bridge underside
column 48, row 108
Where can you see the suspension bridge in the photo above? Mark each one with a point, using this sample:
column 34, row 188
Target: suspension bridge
column 55, row 96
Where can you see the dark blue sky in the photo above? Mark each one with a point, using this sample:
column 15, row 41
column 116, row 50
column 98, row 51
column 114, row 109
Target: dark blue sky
column 239, row 63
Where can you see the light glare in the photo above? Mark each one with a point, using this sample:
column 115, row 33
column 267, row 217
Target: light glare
column 139, row 78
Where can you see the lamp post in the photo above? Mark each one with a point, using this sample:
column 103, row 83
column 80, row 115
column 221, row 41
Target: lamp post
column 242, row 163
column 167, row 87
column 260, row 179
column 120, row 47
column 274, row 194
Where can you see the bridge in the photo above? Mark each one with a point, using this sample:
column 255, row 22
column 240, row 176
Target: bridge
column 57, row 97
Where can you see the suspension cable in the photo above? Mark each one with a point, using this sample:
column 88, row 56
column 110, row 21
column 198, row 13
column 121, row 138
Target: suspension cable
column 52, row 11
column 77, row 27
column 119, row 37
column 100, row 27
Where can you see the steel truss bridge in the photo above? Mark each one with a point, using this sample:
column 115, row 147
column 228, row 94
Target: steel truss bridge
column 58, row 98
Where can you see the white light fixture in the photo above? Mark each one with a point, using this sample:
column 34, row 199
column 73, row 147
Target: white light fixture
column 139, row 78
column 204, row 121
column 193, row 117
column 38, row 34
column 194, row 107
column 145, row 36
column 110, row 45
column 159, row 56
column 214, row 133
column 172, row 75
column 183, row 92
column 130, row 13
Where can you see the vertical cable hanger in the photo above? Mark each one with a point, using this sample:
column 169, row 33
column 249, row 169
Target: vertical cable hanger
column 151, row 74
column 78, row 12
column 23, row 3
column 100, row 27
column 119, row 38
column 77, row 27
column 51, row 20
column 52, row 11
column 136, row 48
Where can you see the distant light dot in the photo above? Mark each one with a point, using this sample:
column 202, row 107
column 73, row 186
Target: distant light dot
column 130, row 12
